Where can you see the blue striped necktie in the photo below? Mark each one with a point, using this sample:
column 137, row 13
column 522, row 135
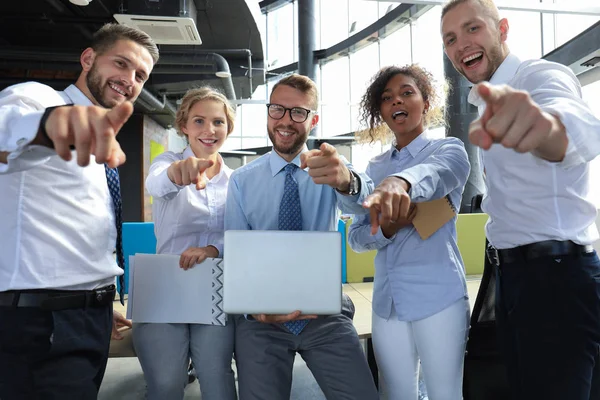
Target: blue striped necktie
column 290, row 219
column 114, row 187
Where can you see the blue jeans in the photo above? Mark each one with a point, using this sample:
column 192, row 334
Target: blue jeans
column 164, row 351
column 548, row 317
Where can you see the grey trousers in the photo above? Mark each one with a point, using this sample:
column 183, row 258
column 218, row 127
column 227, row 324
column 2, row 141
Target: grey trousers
column 265, row 356
column 164, row 351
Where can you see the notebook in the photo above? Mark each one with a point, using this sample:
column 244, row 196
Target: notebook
column 432, row 215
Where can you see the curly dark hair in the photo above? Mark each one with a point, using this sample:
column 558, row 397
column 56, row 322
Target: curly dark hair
column 370, row 104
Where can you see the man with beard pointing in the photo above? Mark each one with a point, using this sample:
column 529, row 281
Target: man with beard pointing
column 60, row 219
column 292, row 188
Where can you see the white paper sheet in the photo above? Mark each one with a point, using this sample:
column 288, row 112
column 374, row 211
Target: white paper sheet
column 160, row 291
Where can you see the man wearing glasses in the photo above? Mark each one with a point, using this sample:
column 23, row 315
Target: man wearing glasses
column 292, row 188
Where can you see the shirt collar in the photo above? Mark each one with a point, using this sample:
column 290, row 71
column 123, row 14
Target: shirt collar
column 277, row 163
column 416, row 146
column 77, row 96
column 505, row 72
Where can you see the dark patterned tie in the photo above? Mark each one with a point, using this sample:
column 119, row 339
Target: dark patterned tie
column 290, row 219
column 114, row 187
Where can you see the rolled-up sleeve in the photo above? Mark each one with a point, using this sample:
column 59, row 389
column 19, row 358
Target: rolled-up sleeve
column 445, row 170
column 158, row 183
column 21, row 109
column 557, row 91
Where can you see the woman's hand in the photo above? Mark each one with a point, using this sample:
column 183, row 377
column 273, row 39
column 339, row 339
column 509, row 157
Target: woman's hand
column 391, row 228
column 189, row 171
column 195, row 255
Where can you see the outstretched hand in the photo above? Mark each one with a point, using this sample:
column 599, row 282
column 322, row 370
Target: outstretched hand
column 119, row 322
column 388, row 203
column 89, row 130
column 326, row 167
column 514, row 120
column 189, row 171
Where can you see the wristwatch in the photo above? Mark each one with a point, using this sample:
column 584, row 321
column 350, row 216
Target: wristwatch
column 354, row 186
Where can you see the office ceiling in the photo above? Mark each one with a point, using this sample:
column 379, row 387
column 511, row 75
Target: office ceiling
column 42, row 40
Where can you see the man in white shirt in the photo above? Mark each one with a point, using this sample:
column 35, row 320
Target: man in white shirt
column 59, row 222
column 537, row 137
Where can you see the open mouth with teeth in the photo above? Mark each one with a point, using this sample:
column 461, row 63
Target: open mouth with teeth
column 285, row 134
column 399, row 115
column 208, row 142
column 118, row 89
column 473, row 60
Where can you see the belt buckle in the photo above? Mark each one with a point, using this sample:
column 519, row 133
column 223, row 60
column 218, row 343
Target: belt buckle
column 100, row 295
column 492, row 255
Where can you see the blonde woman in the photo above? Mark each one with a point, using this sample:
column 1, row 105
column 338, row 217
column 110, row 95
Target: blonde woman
column 188, row 210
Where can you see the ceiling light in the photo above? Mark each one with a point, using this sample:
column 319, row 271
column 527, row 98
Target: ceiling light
column 81, row 2
column 223, row 74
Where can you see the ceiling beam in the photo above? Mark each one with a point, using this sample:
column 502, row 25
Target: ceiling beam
column 562, row 8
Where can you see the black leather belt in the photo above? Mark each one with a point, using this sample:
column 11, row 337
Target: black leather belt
column 54, row 300
column 547, row 248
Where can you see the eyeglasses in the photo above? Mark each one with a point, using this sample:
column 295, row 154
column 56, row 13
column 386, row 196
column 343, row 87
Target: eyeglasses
column 297, row 114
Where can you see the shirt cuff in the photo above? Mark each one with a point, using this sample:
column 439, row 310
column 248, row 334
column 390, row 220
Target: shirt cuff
column 411, row 179
column 576, row 151
column 25, row 130
column 165, row 185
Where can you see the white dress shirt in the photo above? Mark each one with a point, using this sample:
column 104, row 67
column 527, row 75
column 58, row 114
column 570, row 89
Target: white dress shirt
column 183, row 216
column 529, row 199
column 57, row 221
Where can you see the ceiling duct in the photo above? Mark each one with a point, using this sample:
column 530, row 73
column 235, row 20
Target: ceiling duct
column 581, row 54
column 166, row 21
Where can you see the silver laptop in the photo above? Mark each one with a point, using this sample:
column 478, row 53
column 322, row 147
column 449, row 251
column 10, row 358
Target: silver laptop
column 278, row 272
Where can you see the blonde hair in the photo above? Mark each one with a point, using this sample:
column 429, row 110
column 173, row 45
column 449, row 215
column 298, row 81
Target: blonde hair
column 193, row 96
column 370, row 105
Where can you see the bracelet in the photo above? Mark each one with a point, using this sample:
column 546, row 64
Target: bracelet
column 42, row 128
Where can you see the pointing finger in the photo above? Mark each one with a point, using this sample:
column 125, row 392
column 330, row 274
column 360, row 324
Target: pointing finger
column 118, row 115
column 304, row 157
column 327, row 149
column 490, row 94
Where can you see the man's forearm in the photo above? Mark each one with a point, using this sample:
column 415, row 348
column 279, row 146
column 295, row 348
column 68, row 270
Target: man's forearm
column 555, row 148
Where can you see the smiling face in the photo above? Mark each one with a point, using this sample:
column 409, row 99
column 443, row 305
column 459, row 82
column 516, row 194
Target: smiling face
column 116, row 75
column 402, row 108
column 288, row 137
column 474, row 43
column 206, row 128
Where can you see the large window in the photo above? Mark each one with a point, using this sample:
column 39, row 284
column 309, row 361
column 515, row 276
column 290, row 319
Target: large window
column 342, row 82
column 524, row 33
column 361, row 13
column 427, row 43
column 396, row 48
column 335, row 95
column 281, row 36
column 334, row 22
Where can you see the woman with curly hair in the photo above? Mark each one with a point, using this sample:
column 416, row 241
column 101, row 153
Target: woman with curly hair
column 420, row 300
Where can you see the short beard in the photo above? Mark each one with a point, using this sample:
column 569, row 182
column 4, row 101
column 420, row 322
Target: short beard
column 294, row 147
column 93, row 81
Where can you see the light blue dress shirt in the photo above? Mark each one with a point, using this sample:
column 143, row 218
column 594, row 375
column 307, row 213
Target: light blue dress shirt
column 418, row 277
column 255, row 192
